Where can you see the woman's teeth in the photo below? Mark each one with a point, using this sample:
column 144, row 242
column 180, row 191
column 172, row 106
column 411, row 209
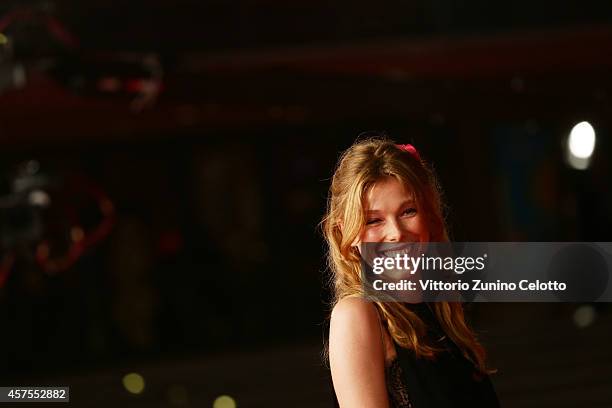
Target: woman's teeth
column 393, row 254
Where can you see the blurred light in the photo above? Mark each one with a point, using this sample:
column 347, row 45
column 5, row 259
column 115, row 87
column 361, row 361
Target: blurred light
column 580, row 145
column 39, row 198
column 42, row 251
column 133, row 383
column 12, row 75
column 582, row 140
column 3, row 39
column 584, row 316
column 224, row 401
column 177, row 395
column 19, row 76
column 77, row 234
column 109, row 84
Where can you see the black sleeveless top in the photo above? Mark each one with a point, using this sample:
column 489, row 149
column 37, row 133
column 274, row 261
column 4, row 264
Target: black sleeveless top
column 448, row 381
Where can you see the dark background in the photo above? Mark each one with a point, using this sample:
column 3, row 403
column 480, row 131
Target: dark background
column 212, row 279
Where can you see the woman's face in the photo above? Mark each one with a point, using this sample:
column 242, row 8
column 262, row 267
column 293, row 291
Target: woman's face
column 392, row 220
column 391, row 215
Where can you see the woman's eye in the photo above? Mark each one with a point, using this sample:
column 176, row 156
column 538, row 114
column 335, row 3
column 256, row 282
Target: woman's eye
column 409, row 211
column 373, row 221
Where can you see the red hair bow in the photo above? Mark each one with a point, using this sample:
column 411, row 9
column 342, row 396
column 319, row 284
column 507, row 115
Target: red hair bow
column 410, row 149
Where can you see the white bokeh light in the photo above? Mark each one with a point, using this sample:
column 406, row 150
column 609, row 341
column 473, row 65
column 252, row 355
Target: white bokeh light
column 582, row 140
column 580, row 145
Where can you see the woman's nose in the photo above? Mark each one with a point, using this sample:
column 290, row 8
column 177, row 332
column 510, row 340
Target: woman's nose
column 394, row 232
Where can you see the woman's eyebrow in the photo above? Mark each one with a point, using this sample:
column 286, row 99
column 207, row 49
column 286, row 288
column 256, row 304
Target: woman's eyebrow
column 402, row 204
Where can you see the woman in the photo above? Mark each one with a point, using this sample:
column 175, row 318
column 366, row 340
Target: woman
column 392, row 354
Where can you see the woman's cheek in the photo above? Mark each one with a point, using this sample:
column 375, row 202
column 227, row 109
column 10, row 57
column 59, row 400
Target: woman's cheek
column 422, row 230
column 370, row 236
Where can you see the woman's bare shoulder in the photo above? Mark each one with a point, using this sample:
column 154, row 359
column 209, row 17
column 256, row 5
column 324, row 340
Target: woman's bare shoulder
column 355, row 310
column 357, row 319
column 356, row 354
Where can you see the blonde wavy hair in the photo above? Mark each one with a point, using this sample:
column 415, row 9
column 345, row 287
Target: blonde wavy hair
column 360, row 167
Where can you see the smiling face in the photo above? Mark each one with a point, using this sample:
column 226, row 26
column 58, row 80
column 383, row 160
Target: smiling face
column 391, row 215
column 392, row 219
column 384, row 195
